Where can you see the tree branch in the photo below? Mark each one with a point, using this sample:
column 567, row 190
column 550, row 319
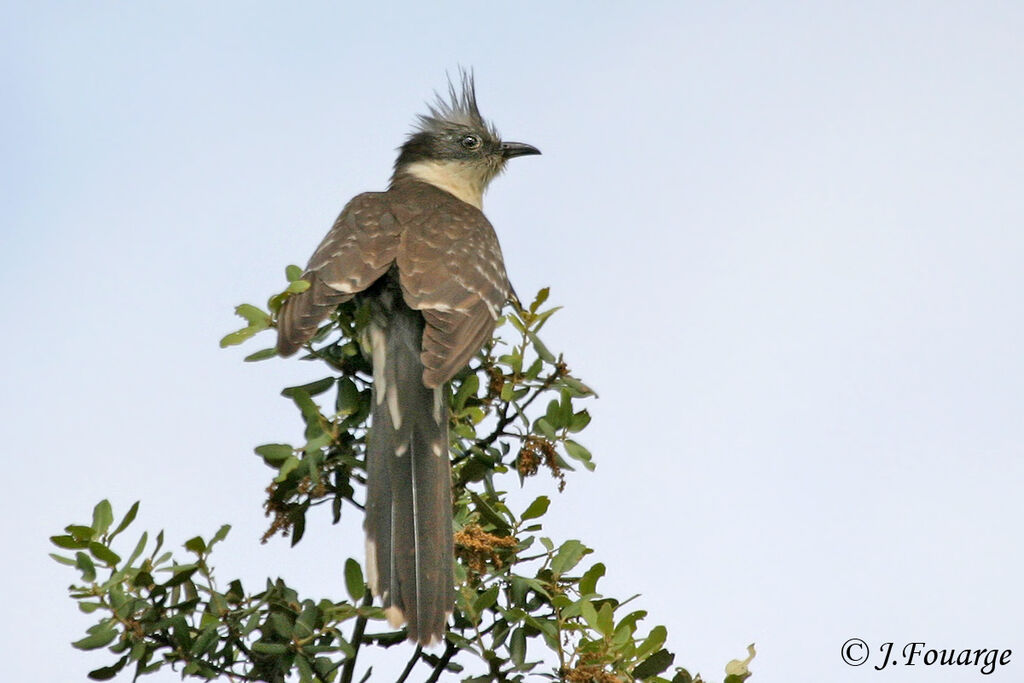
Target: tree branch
column 449, row 651
column 357, row 639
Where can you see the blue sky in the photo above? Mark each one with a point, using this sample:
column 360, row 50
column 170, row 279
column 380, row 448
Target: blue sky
column 787, row 238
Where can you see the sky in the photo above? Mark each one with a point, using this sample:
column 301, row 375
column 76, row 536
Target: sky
column 787, row 238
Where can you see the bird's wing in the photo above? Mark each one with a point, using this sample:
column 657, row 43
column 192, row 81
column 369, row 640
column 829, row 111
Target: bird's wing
column 357, row 250
column 451, row 270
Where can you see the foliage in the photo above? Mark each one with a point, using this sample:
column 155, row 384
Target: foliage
column 527, row 606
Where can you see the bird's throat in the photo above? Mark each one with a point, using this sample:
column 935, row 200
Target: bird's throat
column 463, row 179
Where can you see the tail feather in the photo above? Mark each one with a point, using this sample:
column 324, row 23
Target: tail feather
column 409, row 499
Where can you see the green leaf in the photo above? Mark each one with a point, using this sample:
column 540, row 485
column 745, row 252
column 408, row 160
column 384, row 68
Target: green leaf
column 196, row 544
column 269, row 648
column 488, row 513
column 605, row 620
column 578, row 452
column 349, row 397
column 568, row 556
column 543, row 318
column 298, row 520
column 534, row 370
column 102, row 517
column 81, row 533
column 128, row 519
column 105, row 673
column 565, row 407
column 539, row 300
column 486, row 599
column 554, row 414
column 306, row 621
column 290, row 465
column 539, row 347
column 297, row 287
column 589, row 614
column 258, row 321
column 537, row 508
column 305, row 670
column 624, row 633
column 281, row 624
column 275, row 302
column 545, row 428
column 654, row 640
column 464, row 431
column 254, row 316
column 274, row 454
column 354, row 583
column 205, row 640
column 517, row 646
column 180, row 575
column 579, row 421
column 63, row 560
column 738, row 670
column 85, row 565
column 221, row 534
column 312, row 389
column 239, row 336
column 263, row 354
column 68, row 542
column 588, row 583
column 578, row 387
column 139, row 547
column 654, row 665
column 310, row 412
column 292, row 273
column 517, row 323
column 99, row 636
column 682, row 676
column 468, row 388
column 104, row 554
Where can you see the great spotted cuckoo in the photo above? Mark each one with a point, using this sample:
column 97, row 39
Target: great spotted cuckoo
column 427, row 261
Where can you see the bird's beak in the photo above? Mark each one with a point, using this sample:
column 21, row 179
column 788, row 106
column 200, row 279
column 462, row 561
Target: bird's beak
column 517, row 149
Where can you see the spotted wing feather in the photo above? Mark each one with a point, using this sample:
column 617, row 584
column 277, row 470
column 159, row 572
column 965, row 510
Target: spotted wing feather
column 357, row 250
column 452, row 271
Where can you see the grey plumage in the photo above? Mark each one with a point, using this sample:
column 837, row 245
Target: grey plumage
column 428, row 262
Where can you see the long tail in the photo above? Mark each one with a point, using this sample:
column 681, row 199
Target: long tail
column 409, row 546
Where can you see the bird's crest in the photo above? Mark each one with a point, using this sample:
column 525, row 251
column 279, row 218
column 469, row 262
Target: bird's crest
column 457, row 110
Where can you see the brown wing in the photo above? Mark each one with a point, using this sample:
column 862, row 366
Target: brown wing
column 358, row 249
column 451, row 270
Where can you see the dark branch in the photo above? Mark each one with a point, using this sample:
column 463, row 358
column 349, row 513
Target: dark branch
column 357, row 640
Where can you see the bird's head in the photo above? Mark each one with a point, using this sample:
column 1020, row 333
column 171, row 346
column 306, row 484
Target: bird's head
column 455, row 149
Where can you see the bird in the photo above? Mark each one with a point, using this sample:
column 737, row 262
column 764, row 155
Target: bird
column 428, row 263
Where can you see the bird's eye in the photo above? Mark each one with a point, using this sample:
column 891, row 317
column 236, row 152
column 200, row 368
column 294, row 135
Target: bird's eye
column 470, row 141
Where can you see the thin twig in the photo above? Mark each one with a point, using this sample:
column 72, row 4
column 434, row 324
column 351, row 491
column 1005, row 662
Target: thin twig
column 357, row 640
column 449, row 651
